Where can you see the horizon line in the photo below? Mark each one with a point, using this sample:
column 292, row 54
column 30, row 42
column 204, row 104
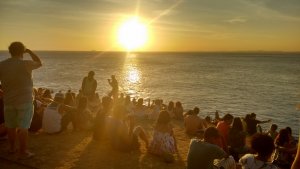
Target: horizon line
column 181, row 51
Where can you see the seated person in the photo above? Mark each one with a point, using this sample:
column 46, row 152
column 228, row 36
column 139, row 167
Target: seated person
column 140, row 110
column 202, row 153
column 272, row 132
column 178, row 111
column 223, row 126
column 58, row 115
column 194, row 125
column 263, row 145
column 36, row 122
column 52, row 115
column 163, row 142
column 100, row 118
column 171, row 108
column 82, row 115
column 128, row 105
column 285, row 149
column 156, row 107
column 237, row 139
column 122, row 132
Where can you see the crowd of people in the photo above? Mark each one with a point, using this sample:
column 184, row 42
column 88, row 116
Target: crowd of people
column 114, row 117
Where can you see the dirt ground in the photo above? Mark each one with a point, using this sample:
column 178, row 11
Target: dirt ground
column 78, row 150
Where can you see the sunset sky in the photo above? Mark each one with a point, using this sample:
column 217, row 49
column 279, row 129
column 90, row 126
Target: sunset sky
column 173, row 25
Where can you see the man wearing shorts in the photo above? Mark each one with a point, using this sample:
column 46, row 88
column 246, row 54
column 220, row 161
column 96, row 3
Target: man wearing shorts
column 16, row 80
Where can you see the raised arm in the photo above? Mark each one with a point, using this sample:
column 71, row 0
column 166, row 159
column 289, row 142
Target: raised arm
column 266, row 121
column 34, row 57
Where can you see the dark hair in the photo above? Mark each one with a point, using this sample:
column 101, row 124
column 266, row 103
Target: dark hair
column 282, row 137
column 69, row 100
column 237, row 124
column 262, row 144
column 274, row 126
column 92, row 73
column 189, row 112
column 171, row 105
column 178, row 104
column 227, row 117
column 252, row 115
column 208, row 119
column 16, row 48
column 247, row 117
column 289, row 130
column 47, row 94
column 163, row 118
column 196, row 110
column 140, row 101
column 157, row 102
column 211, row 132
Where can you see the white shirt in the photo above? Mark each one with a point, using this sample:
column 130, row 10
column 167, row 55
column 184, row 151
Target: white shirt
column 51, row 120
column 249, row 161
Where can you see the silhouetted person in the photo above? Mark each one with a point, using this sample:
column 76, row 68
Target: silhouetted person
column 115, row 87
column 89, row 85
column 16, row 79
column 252, row 123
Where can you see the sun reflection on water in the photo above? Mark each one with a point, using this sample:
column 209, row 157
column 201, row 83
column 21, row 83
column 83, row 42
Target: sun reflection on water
column 132, row 76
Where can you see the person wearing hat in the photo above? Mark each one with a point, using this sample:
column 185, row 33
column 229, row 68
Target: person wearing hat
column 202, row 153
column 17, row 85
column 89, row 85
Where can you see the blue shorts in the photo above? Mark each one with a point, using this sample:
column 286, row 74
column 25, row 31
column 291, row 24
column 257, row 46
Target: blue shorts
column 18, row 116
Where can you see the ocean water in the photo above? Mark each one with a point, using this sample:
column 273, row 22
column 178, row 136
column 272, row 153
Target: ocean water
column 237, row 83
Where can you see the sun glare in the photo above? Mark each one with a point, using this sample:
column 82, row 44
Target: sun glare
column 132, row 34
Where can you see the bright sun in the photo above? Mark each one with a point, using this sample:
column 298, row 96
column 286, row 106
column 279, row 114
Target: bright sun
column 132, row 34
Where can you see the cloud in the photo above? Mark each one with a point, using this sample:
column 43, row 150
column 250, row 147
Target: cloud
column 236, row 20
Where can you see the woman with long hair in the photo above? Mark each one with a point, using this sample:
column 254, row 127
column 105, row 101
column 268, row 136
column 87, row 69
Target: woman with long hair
column 163, row 142
column 237, row 139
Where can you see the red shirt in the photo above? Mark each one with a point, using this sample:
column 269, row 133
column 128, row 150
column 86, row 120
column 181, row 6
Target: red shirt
column 223, row 128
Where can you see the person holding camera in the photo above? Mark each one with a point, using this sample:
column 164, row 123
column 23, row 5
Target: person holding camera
column 115, row 87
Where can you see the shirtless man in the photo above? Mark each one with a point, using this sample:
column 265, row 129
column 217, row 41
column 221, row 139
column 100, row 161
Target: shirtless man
column 194, row 125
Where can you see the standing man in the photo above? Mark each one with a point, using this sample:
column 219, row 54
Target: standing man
column 16, row 79
column 115, row 87
column 89, row 85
